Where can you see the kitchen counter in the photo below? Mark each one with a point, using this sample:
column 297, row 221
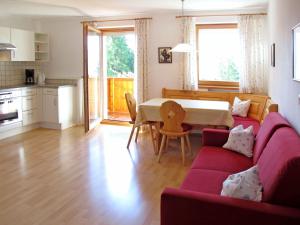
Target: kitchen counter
column 35, row 85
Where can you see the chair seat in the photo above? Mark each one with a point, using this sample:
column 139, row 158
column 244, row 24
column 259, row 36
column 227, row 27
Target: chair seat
column 186, row 129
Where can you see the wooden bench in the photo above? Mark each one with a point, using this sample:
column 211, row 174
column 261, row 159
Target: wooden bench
column 261, row 105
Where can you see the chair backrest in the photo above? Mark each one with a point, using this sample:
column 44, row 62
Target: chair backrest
column 172, row 115
column 131, row 105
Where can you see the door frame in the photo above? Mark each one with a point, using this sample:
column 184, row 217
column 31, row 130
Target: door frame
column 86, row 28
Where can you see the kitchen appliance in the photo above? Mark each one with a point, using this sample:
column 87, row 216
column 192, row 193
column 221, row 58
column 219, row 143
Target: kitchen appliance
column 29, row 73
column 10, row 107
column 41, row 78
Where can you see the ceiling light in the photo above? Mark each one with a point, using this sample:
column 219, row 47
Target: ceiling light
column 182, row 47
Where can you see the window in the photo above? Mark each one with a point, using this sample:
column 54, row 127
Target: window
column 218, row 55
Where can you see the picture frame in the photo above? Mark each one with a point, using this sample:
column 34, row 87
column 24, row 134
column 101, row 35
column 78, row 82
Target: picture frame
column 164, row 55
column 296, row 52
column 273, row 55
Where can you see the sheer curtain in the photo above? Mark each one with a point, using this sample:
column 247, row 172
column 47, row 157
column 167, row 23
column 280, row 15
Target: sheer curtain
column 189, row 67
column 253, row 40
column 142, row 33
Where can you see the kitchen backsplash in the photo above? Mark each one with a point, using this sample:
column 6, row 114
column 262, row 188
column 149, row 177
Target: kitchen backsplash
column 13, row 73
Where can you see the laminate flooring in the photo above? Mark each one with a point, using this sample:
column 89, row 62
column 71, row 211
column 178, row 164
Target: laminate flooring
column 52, row 177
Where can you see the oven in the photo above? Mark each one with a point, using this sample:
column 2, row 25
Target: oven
column 10, row 107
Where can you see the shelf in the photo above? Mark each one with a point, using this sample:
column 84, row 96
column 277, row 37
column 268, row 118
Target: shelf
column 41, row 47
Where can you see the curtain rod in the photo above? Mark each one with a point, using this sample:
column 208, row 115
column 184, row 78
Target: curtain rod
column 102, row 21
column 211, row 15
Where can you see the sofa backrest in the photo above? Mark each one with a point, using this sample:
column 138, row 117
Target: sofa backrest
column 279, row 168
column 272, row 122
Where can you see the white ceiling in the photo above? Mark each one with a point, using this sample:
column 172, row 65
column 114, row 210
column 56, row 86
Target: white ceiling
column 99, row 8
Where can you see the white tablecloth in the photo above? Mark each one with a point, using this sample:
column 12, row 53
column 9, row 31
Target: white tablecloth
column 198, row 112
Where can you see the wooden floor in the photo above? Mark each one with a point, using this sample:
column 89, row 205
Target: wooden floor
column 51, row 177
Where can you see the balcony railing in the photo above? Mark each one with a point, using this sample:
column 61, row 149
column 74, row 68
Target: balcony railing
column 116, row 89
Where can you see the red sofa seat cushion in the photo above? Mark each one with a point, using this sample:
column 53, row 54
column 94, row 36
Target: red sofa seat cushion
column 279, row 168
column 217, row 158
column 271, row 123
column 246, row 122
column 206, row 181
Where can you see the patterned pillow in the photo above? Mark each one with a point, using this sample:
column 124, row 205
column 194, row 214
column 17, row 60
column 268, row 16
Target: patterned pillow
column 240, row 108
column 243, row 185
column 241, row 140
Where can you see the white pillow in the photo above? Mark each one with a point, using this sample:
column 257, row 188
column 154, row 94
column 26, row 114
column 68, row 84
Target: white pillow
column 243, row 185
column 240, row 108
column 241, row 140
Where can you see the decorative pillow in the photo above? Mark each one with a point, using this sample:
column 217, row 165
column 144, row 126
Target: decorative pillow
column 243, row 185
column 241, row 140
column 240, row 108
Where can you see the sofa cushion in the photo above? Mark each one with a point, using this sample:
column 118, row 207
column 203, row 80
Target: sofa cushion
column 241, row 140
column 279, row 168
column 246, row 122
column 217, row 158
column 243, row 185
column 272, row 122
column 240, row 108
column 206, row 181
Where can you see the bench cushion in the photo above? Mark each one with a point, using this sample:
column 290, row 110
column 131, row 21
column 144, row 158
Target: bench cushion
column 217, row 158
column 246, row 122
column 206, row 181
column 279, row 168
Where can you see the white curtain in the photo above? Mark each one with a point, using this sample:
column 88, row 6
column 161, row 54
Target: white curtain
column 142, row 33
column 190, row 77
column 254, row 60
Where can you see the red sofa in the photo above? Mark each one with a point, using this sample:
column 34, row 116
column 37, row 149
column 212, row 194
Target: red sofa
column 277, row 154
column 246, row 122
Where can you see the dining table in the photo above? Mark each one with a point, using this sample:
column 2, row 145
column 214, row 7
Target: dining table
column 198, row 112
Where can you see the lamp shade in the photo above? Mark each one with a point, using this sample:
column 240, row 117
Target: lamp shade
column 182, row 47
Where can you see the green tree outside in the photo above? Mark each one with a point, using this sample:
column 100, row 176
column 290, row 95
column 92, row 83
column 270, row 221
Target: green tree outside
column 229, row 71
column 120, row 58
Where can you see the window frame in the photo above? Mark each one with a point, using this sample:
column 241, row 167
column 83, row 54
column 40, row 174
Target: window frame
column 212, row 84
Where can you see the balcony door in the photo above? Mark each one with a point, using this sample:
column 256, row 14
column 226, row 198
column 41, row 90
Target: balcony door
column 119, row 69
column 92, row 78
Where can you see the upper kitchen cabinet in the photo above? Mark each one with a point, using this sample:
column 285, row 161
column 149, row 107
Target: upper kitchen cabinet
column 4, row 35
column 41, row 47
column 24, row 41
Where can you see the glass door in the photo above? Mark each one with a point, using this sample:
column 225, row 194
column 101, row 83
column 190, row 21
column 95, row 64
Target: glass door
column 92, row 40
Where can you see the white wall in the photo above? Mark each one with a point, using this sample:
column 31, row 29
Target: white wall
column 66, row 54
column 18, row 22
column 283, row 16
column 66, row 50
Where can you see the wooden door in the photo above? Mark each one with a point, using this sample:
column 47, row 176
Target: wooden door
column 91, row 76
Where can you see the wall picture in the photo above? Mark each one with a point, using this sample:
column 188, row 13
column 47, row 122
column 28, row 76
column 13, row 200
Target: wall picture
column 164, row 55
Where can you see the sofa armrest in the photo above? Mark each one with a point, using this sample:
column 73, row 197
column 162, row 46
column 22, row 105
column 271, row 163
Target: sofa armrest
column 188, row 207
column 214, row 137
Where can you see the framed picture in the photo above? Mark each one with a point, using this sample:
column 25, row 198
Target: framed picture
column 273, row 55
column 164, row 55
column 296, row 52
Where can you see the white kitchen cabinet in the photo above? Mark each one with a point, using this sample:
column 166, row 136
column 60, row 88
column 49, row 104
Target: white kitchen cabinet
column 58, row 107
column 50, row 109
column 4, row 35
column 30, row 107
column 24, row 41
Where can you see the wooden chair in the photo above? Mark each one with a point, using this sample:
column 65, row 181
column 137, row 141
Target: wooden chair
column 131, row 105
column 173, row 115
